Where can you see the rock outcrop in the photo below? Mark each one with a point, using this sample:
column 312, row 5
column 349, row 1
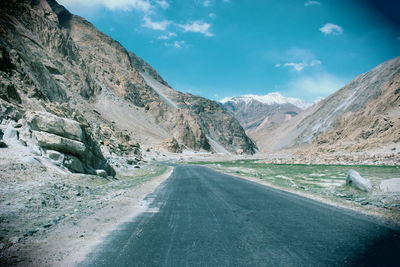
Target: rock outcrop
column 64, row 142
column 56, row 62
column 355, row 180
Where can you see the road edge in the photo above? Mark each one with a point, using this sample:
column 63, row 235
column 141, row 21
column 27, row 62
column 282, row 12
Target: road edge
column 374, row 214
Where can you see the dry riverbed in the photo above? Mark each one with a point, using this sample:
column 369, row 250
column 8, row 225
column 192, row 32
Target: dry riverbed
column 325, row 183
column 49, row 218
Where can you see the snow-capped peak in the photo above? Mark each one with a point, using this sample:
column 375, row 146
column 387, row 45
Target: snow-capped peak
column 269, row 99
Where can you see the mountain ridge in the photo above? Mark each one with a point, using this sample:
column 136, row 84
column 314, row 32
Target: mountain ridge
column 60, row 63
column 336, row 109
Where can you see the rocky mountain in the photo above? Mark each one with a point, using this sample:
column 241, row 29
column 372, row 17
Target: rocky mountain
column 364, row 114
column 57, row 63
column 260, row 112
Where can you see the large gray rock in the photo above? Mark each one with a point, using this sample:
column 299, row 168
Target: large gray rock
column 355, row 180
column 10, row 132
column 74, row 164
column 61, row 144
column 47, row 122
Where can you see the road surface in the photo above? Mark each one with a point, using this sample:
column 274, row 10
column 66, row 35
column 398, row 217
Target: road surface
column 199, row 217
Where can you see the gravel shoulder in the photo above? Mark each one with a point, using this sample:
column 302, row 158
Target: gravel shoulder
column 48, row 218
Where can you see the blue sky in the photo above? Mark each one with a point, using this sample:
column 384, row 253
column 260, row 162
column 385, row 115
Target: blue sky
column 219, row 48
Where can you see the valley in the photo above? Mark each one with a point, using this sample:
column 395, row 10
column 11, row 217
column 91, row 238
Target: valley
column 93, row 138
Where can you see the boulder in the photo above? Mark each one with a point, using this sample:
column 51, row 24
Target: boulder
column 355, row 180
column 55, row 156
column 3, row 145
column 47, row 122
column 61, row 144
column 131, row 161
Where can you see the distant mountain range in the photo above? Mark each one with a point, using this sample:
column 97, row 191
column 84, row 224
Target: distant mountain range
column 259, row 112
column 268, row 99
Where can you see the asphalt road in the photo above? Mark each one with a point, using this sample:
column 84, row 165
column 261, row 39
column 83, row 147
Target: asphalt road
column 203, row 218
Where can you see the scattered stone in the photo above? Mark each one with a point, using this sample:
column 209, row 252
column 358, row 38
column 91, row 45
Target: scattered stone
column 47, row 225
column 3, row 145
column 136, row 166
column 101, row 173
column 172, row 145
column 22, row 142
column 131, row 161
column 10, row 133
column 18, row 125
column 14, row 239
column 355, row 180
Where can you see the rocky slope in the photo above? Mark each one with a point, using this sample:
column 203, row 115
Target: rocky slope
column 362, row 115
column 53, row 61
column 258, row 113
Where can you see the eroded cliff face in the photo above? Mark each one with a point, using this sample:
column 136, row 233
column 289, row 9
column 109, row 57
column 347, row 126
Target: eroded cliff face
column 57, row 62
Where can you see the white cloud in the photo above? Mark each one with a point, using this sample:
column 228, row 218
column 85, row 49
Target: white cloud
column 299, row 66
column 167, row 36
column 197, row 26
column 177, row 44
column 206, row 3
column 126, row 5
column 312, row 3
column 155, row 25
column 212, row 15
column 330, row 28
column 163, row 4
column 320, row 84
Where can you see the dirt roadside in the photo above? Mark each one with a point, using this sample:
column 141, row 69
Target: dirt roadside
column 67, row 243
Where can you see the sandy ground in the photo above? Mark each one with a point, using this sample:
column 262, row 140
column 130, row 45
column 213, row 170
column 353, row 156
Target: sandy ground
column 78, row 239
column 53, row 219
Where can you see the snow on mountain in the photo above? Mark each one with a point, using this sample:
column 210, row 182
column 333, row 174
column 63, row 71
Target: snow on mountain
column 268, row 99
